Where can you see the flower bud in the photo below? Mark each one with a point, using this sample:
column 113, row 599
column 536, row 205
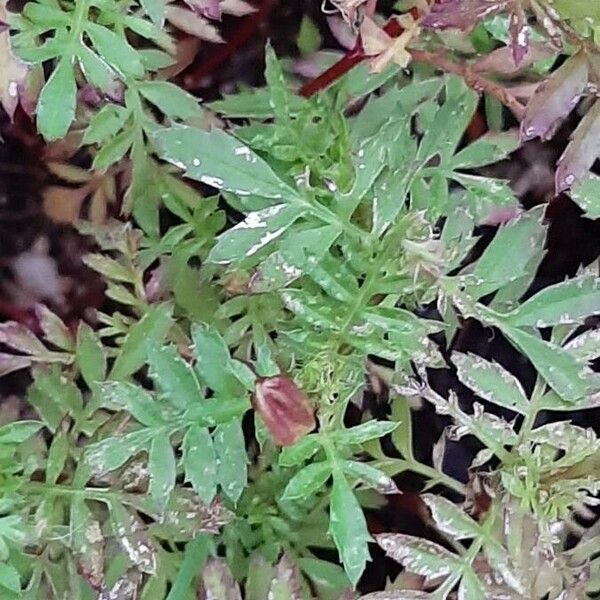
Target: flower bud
column 284, row 408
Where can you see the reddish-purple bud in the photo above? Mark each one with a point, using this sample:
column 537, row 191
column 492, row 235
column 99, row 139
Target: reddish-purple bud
column 284, row 408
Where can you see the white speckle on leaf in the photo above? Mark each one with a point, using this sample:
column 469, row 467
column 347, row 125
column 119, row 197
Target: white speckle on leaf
column 215, row 182
column 264, row 240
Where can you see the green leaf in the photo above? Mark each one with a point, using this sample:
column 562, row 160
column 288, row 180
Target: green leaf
column 491, row 382
column 109, row 267
column 253, row 104
column 10, row 578
column 115, row 50
column 418, row 555
column 232, row 472
column 286, row 582
column 348, row 527
column 450, row 519
column 585, row 347
column 260, row 575
column 56, row 105
column 150, row 330
column 162, row 468
column 402, row 436
column 586, row 194
column 155, row 9
column 370, row 476
column 170, row 99
column 486, row 150
column 566, row 303
column 301, row 451
column 173, row 376
column 111, row 453
column 509, row 253
column 221, row 161
column 365, row 432
column 114, row 150
column 255, row 232
column 218, row 582
column 120, row 395
column 19, row 431
column 55, row 331
column 90, row 355
column 307, row 482
column 200, row 462
column 57, row 456
column 212, row 359
column 568, row 377
column 97, row 72
column 106, row 123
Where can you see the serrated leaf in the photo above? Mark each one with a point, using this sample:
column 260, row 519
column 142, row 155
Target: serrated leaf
column 232, row 471
column 221, row 161
column 450, row 519
column 348, row 528
column 307, row 482
column 218, row 582
column 212, row 359
column 20, row 338
column 286, row 582
column 55, row 331
column 90, row 355
column 418, row 555
column 365, row 432
column 576, row 161
column 490, row 148
column 120, row 395
column 114, row 150
column 155, row 9
column 200, row 462
column 491, row 381
column 170, row 99
column 585, row 347
column 566, row 303
column 109, row 267
column 57, row 456
column 255, row 232
column 555, row 98
column 173, row 376
column 162, row 469
column 19, row 431
column 370, row 476
column 301, row 451
column 57, row 101
column 568, row 377
column 509, row 253
column 150, row 330
column 586, row 194
column 111, row 453
column 253, row 104
column 115, row 50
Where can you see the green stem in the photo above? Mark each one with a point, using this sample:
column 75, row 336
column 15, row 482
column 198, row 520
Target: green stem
column 82, row 8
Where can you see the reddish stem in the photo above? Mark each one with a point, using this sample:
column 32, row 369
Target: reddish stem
column 347, row 62
column 224, row 52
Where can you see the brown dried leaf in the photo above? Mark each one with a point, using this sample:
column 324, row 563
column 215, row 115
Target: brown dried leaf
column 20, row 338
column 126, row 587
column 131, row 534
column 63, row 204
column 582, row 151
column 555, row 98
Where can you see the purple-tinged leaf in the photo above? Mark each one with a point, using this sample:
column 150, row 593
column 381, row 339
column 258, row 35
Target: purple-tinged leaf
column 462, row 14
column 286, row 583
column 218, row 582
column 211, row 9
column 398, row 595
column 20, row 338
column 581, row 153
column 10, row 363
column 499, row 60
column 555, row 98
column 519, row 34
